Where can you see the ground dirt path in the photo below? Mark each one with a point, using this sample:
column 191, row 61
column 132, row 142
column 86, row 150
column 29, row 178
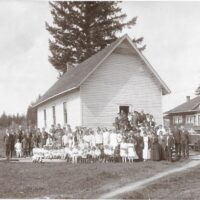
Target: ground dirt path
column 142, row 183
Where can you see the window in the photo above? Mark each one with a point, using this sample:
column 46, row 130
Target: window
column 177, row 119
column 54, row 115
column 65, row 112
column 190, row 119
column 45, row 118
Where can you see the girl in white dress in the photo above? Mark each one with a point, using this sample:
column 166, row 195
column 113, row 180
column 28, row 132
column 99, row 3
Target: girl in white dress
column 146, row 150
column 131, row 150
column 97, row 153
column 123, row 151
column 18, row 149
column 74, row 155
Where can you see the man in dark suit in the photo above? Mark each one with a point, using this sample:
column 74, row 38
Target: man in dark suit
column 7, row 142
column 177, row 141
column 12, row 142
column 184, row 142
column 20, row 134
column 169, row 145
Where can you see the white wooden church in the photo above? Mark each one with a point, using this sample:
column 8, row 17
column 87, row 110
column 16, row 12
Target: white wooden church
column 118, row 77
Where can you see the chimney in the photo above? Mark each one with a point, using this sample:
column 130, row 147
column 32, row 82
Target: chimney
column 187, row 98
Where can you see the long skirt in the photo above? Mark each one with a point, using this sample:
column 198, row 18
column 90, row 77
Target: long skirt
column 146, row 153
column 156, row 152
column 139, row 152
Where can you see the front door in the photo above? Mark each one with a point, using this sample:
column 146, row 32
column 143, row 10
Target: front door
column 124, row 108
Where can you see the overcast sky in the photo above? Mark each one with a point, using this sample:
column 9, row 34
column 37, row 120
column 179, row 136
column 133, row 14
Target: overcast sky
column 171, row 32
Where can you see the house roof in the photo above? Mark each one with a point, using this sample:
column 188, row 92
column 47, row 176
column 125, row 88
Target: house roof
column 190, row 106
column 74, row 78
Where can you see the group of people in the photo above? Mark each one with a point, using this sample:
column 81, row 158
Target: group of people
column 134, row 137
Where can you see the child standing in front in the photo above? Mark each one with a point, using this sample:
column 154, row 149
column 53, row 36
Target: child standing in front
column 74, row 155
column 18, row 149
column 123, row 150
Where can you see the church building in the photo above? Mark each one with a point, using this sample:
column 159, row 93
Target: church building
column 118, row 77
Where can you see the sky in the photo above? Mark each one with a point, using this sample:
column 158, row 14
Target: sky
column 171, row 32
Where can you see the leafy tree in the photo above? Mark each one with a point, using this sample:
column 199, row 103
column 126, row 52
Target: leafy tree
column 80, row 29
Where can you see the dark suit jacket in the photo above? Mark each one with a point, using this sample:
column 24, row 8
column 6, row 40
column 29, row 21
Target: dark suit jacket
column 7, row 139
column 170, row 141
column 184, row 137
column 177, row 136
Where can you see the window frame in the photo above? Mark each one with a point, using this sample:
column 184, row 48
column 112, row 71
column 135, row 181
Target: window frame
column 54, row 114
column 65, row 112
column 45, row 117
column 177, row 119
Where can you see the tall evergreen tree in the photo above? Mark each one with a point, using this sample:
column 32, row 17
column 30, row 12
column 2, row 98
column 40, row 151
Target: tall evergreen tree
column 80, row 29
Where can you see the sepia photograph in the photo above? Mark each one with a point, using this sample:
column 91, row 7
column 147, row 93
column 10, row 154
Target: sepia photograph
column 99, row 99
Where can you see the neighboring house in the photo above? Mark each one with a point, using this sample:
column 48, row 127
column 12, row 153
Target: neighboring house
column 187, row 114
column 117, row 78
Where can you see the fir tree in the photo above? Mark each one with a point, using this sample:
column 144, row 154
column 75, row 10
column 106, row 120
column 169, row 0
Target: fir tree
column 80, row 29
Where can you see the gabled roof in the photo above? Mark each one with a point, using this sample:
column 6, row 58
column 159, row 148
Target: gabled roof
column 74, row 78
column 190, row 106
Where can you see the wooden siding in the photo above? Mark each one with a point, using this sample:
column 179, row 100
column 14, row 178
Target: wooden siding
column 122, row 79
column 73, row 104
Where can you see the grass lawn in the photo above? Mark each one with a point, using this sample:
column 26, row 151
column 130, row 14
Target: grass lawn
column 61, row 180
column 182, row 185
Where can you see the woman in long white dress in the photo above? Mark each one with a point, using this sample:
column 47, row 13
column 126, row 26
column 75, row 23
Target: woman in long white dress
column 113, row 139
column 132, row 155
column 146, row 149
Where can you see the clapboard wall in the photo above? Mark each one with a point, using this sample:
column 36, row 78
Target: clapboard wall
column 73, row 105
column 122, row 79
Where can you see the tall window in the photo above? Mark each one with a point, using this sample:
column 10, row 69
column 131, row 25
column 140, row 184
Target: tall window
column 177, row 119
column 45, row 118
column 65, row 112
column 54, row 115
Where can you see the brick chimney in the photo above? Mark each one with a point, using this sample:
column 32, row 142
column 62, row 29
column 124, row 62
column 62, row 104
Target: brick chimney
column 187, row 98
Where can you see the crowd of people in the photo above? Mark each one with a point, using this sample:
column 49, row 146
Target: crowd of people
column 134, row 137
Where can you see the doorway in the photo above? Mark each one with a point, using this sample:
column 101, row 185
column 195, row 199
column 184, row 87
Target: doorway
column 124, row 108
